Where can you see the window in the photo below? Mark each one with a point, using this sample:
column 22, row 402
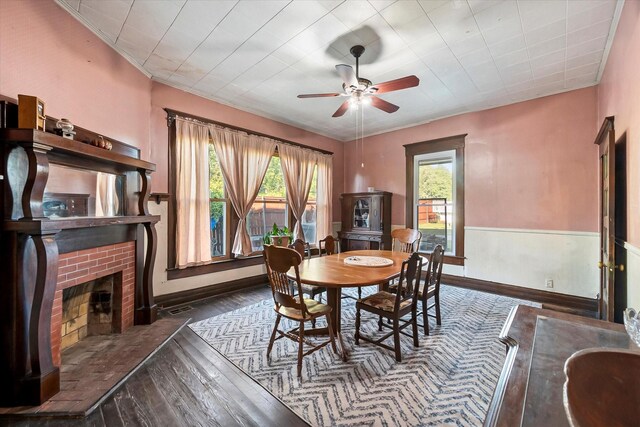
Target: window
column 218, row 209
column 435, row 194
column 270, row 207
column 310, row 212
column 434, row 200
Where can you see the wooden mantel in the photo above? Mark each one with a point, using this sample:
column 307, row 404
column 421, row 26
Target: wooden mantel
column 31, row 242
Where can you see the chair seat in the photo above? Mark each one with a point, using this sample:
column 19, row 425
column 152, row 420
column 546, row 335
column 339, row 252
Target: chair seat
column 430, row 291
column 314, row 309
column 383, row 301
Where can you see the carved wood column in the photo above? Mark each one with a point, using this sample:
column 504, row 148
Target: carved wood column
column 35, row 378
column 146, row 311
column 38, row 173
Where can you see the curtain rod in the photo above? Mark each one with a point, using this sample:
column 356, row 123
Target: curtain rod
column 172, row 114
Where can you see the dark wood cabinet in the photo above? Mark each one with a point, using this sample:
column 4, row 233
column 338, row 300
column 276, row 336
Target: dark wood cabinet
column 366, row 221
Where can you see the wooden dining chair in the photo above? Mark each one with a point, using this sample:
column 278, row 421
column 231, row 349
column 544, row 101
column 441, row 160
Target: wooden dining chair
column 394, row 307
column 405, row 240
column 304, row 250
column 295, row 307
column 430, row 288
column 329, row 245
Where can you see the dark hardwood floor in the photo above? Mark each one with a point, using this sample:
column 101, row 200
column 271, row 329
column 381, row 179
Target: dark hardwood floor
column 187, row 383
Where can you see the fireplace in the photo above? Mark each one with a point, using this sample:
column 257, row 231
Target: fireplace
column 79, row 272
column 49, row 249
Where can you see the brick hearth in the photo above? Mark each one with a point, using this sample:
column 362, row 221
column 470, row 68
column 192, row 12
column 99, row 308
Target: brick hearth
column 78, row 267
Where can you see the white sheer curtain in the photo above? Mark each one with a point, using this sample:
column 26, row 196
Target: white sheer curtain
column 324, row 218
column 193, row 238
column 244, row 160
column 298, row 166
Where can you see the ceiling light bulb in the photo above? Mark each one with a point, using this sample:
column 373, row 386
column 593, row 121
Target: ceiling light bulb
column 366, row 100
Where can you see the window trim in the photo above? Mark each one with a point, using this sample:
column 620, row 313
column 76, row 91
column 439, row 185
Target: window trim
column 450, row 143
column 217, row 264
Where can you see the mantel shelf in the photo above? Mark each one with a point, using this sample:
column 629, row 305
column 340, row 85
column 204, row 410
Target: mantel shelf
column 55, row 224
column 62, row 145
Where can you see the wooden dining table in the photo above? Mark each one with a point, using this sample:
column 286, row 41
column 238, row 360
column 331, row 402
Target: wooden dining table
column 332, row 273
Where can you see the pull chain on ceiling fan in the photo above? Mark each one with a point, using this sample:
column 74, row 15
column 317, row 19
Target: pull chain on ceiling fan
column 361, row 90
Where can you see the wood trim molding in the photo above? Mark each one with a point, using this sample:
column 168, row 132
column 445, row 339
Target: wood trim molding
column 214, row 267
column 455, row 142
column 607, row 125
column 570, row 302
column 192, row 295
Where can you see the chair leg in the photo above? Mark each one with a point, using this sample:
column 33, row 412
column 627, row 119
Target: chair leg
column 359, row 292
column 425, row 318
column 380, row 323
column 300, row 348
column 313, row 323
column 414, row 327
column 438, row 318
column 331, row 336
column 357, row 336
column 396, row 339
column 273, row 335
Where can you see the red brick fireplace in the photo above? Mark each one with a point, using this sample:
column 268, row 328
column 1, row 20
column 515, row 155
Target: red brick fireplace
column 78, row 267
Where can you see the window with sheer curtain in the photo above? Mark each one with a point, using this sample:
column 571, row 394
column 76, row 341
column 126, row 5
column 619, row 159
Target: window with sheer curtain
column 302, row 205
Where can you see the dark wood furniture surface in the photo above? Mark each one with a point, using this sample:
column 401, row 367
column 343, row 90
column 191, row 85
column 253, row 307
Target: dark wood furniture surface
column 366, row 221
column 31, row 242
column 529, row 389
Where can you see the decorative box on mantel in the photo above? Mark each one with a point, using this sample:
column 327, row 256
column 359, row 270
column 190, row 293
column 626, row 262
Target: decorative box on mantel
column 41, row 227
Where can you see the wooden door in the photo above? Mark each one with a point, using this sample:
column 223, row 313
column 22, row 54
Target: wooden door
column 606, row 144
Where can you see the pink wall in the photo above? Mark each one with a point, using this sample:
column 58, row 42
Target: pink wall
column 619, row 96
column 45, row 52
column 530, row 165
column 163, row 96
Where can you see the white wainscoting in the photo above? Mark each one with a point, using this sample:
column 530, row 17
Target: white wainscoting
column 633, row 276
column 528, row 257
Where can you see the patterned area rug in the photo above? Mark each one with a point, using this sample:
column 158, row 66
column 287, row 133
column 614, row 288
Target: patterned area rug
column 448, row 380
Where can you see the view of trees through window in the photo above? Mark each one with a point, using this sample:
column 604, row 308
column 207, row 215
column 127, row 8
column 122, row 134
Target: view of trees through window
column 435, row 203
column 269, row 207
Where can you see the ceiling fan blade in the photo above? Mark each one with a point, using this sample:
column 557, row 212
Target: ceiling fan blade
column 398, row 84
column 318, row 95
column 347, row 74
column 383, row 105
column 343, row 108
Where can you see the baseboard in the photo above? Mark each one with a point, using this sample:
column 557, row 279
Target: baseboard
column 191, row 295
column 571, row 302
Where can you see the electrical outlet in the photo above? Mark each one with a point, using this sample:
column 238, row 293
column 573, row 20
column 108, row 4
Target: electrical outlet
column 549, row 283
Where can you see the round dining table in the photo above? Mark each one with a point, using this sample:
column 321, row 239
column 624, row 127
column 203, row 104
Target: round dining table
column 333, row 273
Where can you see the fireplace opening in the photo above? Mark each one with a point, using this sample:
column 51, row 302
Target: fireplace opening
column 91, row 308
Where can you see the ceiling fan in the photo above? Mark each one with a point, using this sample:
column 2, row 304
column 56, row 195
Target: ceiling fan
column 361, row 90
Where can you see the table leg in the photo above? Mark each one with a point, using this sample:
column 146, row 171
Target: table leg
column 334, row 300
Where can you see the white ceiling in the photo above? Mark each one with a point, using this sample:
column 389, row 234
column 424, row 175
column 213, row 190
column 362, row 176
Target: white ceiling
column 257, row 55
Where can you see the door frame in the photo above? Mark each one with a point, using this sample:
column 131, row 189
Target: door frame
column 605, row 140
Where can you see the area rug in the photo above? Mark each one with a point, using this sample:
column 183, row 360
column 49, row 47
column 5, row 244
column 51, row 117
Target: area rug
column 448, row 380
